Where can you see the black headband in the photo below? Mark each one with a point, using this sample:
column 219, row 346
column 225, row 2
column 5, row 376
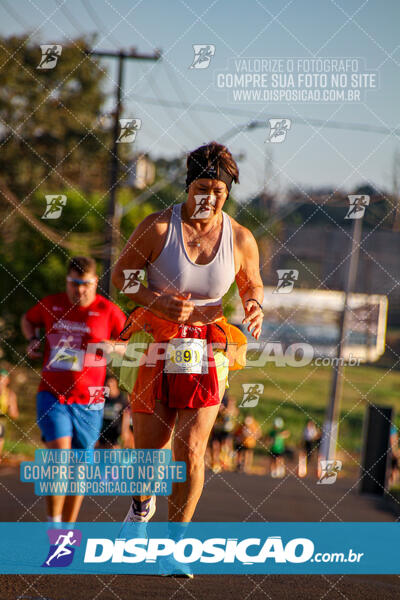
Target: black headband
column 197, row 171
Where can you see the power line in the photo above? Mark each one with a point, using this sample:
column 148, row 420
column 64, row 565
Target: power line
column 71, row 19
column 203, row 107
column 318, row 123
column 182, row 94
column 15, row 15
column 99, row 24
column 255, row 124
column 157, row 92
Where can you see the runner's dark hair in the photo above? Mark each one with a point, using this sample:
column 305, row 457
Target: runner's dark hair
column 216, row 155
column 82, row 264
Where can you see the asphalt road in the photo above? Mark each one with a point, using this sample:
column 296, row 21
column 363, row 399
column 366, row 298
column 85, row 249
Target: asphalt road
column 227, row 497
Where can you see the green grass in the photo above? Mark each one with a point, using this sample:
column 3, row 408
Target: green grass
column 297, row 394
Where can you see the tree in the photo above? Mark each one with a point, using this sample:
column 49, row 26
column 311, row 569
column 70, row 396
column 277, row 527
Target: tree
column 51, row 120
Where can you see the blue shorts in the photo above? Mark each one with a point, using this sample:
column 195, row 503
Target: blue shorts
column 77, row 421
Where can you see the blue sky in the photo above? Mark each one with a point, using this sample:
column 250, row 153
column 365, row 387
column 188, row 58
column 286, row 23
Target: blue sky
column 310, row 156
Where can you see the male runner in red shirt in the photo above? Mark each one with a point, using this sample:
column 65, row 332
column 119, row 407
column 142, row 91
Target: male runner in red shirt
column 71, row 392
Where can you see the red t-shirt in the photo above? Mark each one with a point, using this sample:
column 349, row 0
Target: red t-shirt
column 68, row 366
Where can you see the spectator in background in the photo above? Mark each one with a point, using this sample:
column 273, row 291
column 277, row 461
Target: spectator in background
column 276, row 438
column 394, row 456
column 8, row 404
column 116, row 418
column 216, row 439
column 221, row 439
column 245, row 440
column 230, row 419
column 310, row 442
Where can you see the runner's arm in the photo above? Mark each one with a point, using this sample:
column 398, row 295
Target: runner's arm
column 30, row 331
column 249, row 280
column 137, row 254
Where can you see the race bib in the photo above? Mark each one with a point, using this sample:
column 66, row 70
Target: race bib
column 66, row 359
column 185, row 355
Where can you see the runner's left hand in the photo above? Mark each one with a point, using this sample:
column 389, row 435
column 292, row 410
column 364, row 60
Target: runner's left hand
column 254, row 317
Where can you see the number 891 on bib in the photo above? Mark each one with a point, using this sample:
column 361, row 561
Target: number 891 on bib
column 185, row 355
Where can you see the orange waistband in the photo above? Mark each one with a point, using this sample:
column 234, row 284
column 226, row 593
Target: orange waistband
column 142, row 319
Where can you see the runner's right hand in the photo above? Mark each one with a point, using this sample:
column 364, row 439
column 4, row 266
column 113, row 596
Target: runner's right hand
column 33, row 349
column 173, row 307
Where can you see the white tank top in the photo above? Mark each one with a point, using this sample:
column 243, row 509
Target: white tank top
column 173, row 272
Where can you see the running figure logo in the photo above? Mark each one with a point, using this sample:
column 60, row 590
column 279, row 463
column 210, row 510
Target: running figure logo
column 54, row 206
column 133, row 278
column 128, row 131
column 203, row 54
column 204, row 205
column 97, row 396
column 278, row 129
column 61, row 551
column 287, row 277
column 329, row 471
column 358, row 204
column 251, row 394
column 50, row 56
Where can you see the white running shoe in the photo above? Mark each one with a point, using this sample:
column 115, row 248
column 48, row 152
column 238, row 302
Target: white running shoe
column 135, row 522
column 141, row 512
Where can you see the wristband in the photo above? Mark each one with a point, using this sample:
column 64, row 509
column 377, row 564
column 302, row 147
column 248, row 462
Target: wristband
column 254, row 300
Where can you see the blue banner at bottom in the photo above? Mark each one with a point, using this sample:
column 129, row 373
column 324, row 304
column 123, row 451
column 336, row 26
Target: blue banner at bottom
column 208, row 548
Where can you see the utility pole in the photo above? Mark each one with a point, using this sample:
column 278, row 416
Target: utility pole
column 330, row 428
column 113, row 215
